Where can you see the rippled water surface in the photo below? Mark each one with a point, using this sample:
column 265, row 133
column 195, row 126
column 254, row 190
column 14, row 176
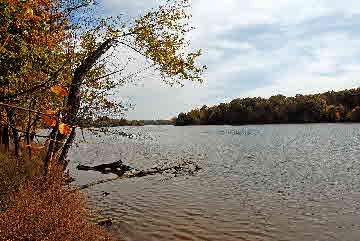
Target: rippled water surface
column 261, row 182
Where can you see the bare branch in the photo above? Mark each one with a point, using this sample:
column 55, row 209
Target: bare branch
column 25, row 109
column 133, row 48
column 107, row 75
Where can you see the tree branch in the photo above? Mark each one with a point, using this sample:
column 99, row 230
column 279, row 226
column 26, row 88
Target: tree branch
column 133, row 48
column 35, row 88
column 24, row 109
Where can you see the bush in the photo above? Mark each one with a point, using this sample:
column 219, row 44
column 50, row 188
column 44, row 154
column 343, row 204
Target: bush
column 40, row 208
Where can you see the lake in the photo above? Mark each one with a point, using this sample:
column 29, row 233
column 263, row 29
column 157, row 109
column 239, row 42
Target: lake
column 260, row 182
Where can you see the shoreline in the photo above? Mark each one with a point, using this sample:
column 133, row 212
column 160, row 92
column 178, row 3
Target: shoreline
column 272, row 123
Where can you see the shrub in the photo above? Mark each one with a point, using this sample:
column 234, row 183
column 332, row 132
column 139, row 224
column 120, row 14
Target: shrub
column 40, row 208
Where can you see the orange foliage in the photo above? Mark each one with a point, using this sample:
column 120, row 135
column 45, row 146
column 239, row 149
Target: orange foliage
column 64, row 129
column 49, row 121
column 35, row 148
column 338, row 115
column 62, row 91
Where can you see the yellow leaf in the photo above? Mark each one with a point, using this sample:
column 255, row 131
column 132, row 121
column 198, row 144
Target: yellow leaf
column 29, row 11
column 62, row 91
column 64, row 129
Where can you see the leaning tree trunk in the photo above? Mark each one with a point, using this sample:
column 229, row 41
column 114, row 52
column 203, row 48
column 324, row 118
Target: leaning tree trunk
column 62, row 159
column 61, row 143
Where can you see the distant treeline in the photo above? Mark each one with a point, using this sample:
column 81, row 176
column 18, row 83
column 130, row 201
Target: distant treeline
column 330, row 106
column 105, row 121
column 159, row 122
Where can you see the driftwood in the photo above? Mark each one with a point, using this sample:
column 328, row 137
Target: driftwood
column 105, row 222
column 180, row 168
column 117, row 168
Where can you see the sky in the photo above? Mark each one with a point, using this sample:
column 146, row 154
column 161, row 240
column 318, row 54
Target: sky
column 255, row 48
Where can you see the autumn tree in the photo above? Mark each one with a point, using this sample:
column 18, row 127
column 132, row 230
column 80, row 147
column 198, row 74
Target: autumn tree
column 32, row 38
column 67, row 66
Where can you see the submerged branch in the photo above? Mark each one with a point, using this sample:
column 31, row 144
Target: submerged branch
column 177, row 169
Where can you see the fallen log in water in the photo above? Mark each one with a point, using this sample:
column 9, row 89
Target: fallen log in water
column 176, row 169
column 105, row 222
column 117, row 168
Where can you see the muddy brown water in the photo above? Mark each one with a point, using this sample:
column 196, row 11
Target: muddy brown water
column 261, row 182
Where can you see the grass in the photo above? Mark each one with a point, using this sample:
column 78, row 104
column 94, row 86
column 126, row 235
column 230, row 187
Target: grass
column 35, row 207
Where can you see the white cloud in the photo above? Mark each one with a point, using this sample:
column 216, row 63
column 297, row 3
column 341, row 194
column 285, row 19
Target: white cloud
column 235, row 12
column 258, row 48
column 303, row 83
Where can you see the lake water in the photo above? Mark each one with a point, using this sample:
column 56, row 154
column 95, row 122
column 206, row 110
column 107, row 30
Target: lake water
column 260, row 182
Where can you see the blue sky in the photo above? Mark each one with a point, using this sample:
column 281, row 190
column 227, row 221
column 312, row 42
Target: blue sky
column 255, row 48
